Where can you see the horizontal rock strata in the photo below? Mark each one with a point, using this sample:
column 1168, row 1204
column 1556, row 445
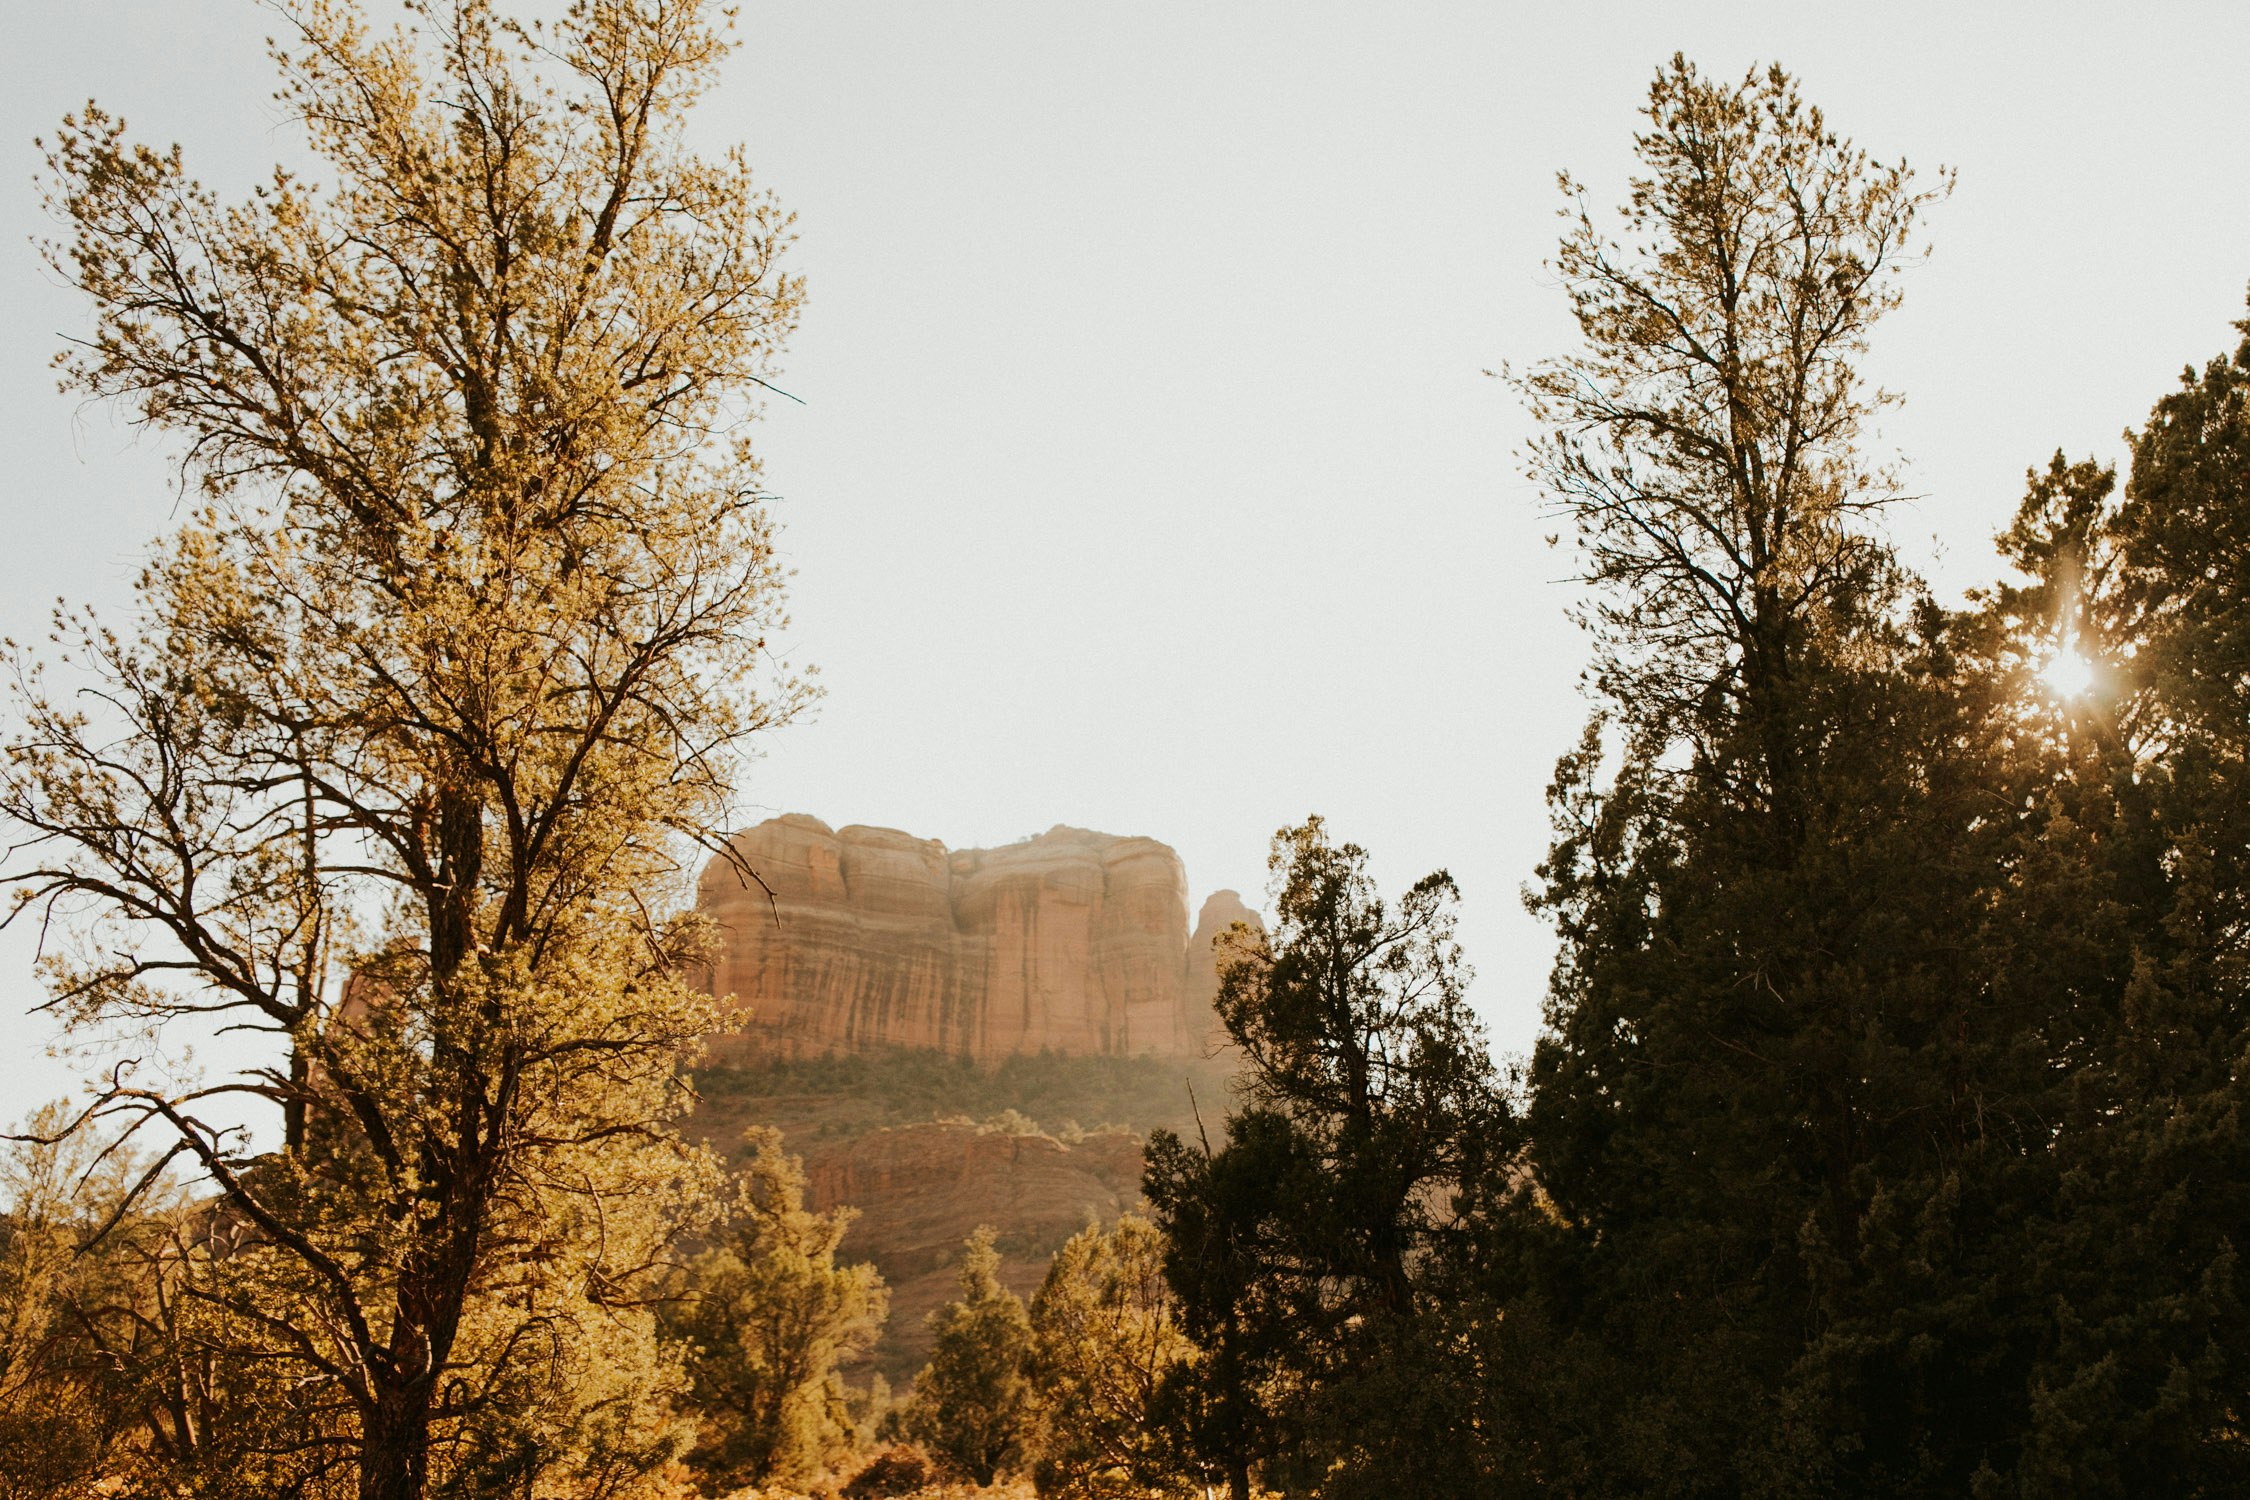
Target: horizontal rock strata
column 1073, row 942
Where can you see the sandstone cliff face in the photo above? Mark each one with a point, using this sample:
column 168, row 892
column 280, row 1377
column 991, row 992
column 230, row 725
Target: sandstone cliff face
column 1221, row 910
column 1072, row 942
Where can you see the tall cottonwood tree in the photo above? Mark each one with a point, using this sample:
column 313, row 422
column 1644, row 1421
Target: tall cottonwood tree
column 401, row 756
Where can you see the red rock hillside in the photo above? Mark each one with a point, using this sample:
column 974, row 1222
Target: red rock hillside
column 966, row 1037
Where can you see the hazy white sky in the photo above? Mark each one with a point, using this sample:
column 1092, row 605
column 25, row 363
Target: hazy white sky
column 1147, row 479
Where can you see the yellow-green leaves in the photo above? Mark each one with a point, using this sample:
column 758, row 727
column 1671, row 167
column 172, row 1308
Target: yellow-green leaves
column 407, row 757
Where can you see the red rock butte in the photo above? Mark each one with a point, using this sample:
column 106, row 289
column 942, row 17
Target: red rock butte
column 1072, row 942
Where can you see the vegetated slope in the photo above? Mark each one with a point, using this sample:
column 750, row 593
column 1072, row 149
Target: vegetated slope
column 927, row 1146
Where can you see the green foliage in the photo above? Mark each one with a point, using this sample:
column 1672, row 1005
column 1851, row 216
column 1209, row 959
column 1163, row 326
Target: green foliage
column 1788, row 1093
column 1886, row 1135
column 1223, row 1216
column 405, row 757
column 1704, row 442
column 1880, row 1139
column 972, row 1403
column 1105, row 1333
column 769, row 1317
column 1301, row 1249
column 854, row 1093
column 2137, row 821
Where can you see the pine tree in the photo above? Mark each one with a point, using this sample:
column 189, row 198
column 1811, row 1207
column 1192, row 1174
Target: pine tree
column 971, row 1406
column 770, row 1316
column 1105, row 1333
column 2134, row 900
column 1301, row 1246
column 1784, row 1097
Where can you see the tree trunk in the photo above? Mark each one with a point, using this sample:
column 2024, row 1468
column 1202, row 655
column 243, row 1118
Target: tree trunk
column 460, row 837
column 1238, row 1481
column 394, row 1457
column 293, row 1107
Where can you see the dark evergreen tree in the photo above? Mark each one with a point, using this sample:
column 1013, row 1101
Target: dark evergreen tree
column 1301, row 1247
column 1885, row 1138
column 2137, row 836
column 1777, row 1111
column 972, row 1407
column 1223, row 1213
